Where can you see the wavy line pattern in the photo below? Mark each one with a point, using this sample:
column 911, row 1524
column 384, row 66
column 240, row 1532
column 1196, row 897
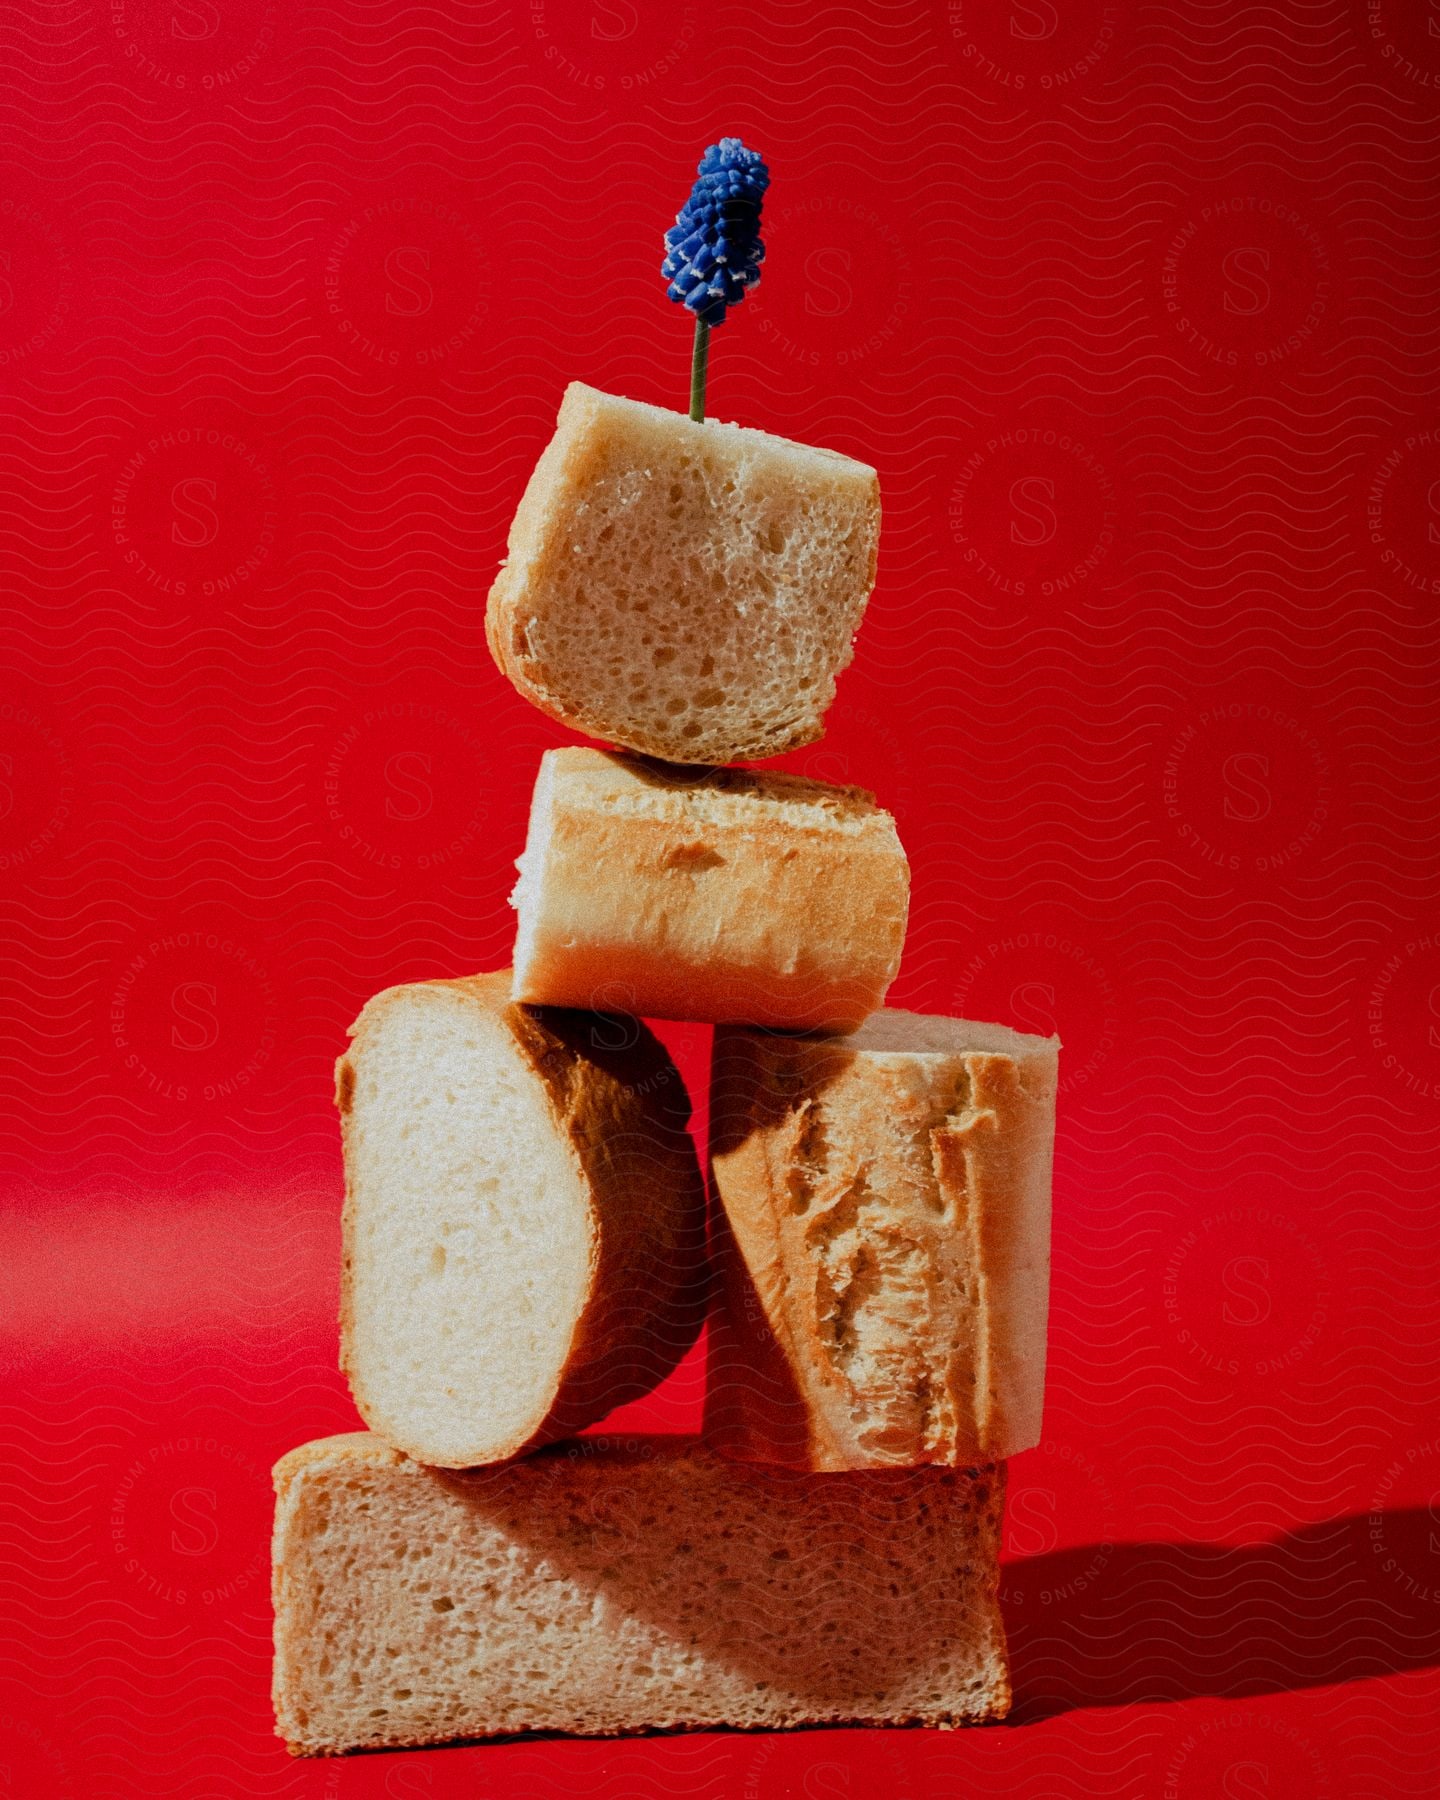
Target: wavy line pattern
column 1132, row 304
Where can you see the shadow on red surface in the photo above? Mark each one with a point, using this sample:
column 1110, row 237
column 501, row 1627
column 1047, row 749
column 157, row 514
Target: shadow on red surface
column 1117, row 1624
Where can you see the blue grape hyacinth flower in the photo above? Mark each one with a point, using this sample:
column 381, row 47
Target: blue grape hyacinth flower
column 713, row 251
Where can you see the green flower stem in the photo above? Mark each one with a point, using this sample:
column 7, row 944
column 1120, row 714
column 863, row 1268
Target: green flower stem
column 699, row 364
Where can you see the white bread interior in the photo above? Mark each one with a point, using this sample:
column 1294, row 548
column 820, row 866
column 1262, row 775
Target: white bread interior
column 883, row 1242
column 688, row 590
column 606, row 1587
column 521, row 1221
column 720, row 894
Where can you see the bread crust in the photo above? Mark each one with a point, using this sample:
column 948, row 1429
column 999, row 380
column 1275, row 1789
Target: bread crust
column 709, row 895
column 556, row 486
column 880, row 1232
column 295, row 1595
column 619, row 1104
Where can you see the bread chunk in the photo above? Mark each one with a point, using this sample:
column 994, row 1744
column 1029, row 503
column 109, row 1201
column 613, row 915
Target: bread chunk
column 882, row 1243
column 524, row 1219
column 707, row 894
column 688, row 590
column 604, row 1587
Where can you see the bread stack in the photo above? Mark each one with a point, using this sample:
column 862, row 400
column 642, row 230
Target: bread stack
column 525, row 1235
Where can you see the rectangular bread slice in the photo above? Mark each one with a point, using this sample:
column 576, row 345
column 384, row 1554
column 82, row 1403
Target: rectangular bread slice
column 524, row 1219
column 718, row 894
column 882, row 1242
column 689, row 590
column 602, row 1587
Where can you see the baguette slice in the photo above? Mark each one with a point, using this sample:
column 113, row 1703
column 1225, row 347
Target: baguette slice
column 689, row 590
column 523, row 1227
column 607, row 1587
column 882, row 1243
column 722, row 894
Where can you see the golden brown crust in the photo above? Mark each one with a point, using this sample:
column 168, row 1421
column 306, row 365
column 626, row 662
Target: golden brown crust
column 988, row 1160
column 761, row 898
column 881, row 1236
column 620, row 1100
column 619, row 1103
column 562, row 463
column 755, row 1410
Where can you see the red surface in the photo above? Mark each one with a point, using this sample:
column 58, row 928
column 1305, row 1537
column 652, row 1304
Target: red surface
column 1134, row 308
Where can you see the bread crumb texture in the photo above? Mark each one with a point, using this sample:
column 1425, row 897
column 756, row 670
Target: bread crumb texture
column 602, row 1587
column 688, row 590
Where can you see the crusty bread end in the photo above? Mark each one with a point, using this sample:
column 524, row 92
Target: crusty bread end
column 523, row 1223
column 707, row 894
column 882, row 1239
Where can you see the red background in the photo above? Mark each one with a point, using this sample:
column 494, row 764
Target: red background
column 1133, row 306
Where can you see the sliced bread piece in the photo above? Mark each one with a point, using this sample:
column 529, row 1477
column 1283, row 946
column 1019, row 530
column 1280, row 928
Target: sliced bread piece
column 605, row 1587
column 689, row 590
column 716, row 894
column 523, row 1226
column 882, row 1243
